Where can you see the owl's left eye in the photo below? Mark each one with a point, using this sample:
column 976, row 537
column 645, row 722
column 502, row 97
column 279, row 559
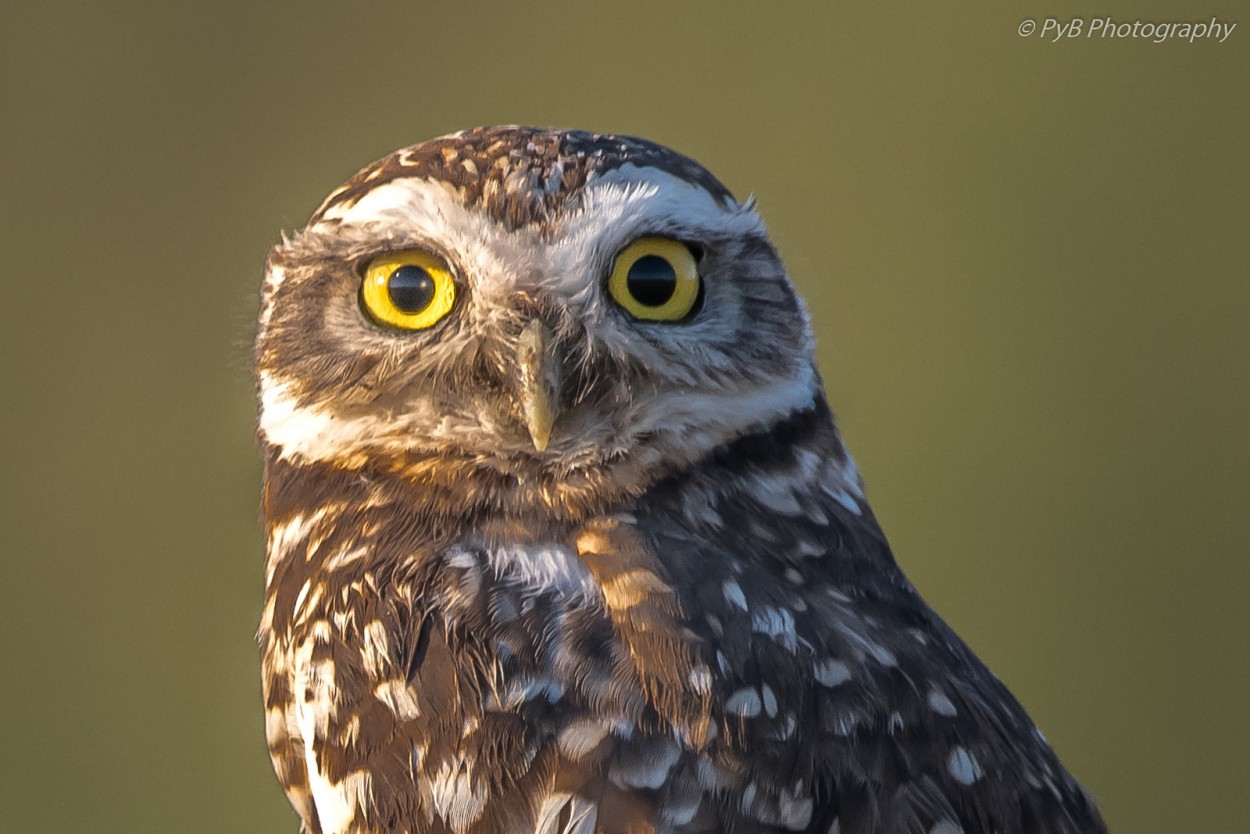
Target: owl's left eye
column 411, row 290
column 656, row 279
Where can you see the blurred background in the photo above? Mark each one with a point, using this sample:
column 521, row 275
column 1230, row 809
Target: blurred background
column 1026, row 261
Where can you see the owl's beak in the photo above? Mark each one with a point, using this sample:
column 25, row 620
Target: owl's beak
column 539, row 385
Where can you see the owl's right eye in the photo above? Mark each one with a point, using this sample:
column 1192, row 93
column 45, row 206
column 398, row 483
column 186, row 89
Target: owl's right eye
column 409, row 290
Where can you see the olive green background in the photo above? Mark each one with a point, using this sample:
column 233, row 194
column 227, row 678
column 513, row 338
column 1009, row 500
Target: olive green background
column 1026, row 262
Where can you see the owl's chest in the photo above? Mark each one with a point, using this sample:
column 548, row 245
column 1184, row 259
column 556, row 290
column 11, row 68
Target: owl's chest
column 465, row 634
column 476, row 668
column 528, row 623
column 463, row 679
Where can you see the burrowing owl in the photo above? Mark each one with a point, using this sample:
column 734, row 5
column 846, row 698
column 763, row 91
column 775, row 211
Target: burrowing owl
column 562, row 536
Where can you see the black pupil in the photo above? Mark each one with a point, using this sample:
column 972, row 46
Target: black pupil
column 410, row 288
column 651, row 280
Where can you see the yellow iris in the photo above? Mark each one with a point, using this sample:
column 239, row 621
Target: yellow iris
column 411, row 290
column 655, row 279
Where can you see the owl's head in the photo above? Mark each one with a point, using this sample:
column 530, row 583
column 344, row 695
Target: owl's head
column 518, row 317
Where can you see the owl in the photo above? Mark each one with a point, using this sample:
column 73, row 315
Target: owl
column 563, row 538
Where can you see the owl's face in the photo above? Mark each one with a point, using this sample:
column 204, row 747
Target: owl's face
column 551, row 317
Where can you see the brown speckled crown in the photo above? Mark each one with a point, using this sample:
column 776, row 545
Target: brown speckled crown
column 519, row 174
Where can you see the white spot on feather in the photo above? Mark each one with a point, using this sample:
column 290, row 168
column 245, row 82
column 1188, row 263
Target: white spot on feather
column 808, row 549
column 770, row 700
column 523, row 690
column 775, row 494
column 647, row 766
column 963, row 766
column 679, row 808
column 346, row 556
column 845, row 500
column 795, row 809
column 733, row 594
column 547, row 567
column 284, row 538
column 399, row 697
column 700, row 679
column 315, row 694
column 338, row 802
column 830, row 672
column 301, row 596
column 456, row 796
column 582, row 816
column 581, row 737
column 777, row 623
column 273, row 279
column 942, row 705
column 745, row 702
column 375, row 649
column 711, row 777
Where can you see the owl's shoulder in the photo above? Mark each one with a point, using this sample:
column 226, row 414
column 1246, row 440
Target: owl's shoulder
column 822, row 652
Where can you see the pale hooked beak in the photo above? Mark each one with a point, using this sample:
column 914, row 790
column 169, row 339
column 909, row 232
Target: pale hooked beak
column 539, row 382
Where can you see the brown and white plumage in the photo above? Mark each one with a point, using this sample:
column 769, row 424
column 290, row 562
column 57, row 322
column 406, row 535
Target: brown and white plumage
column 670, row 609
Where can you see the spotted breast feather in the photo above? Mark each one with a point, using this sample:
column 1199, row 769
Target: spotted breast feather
column 639, row 671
